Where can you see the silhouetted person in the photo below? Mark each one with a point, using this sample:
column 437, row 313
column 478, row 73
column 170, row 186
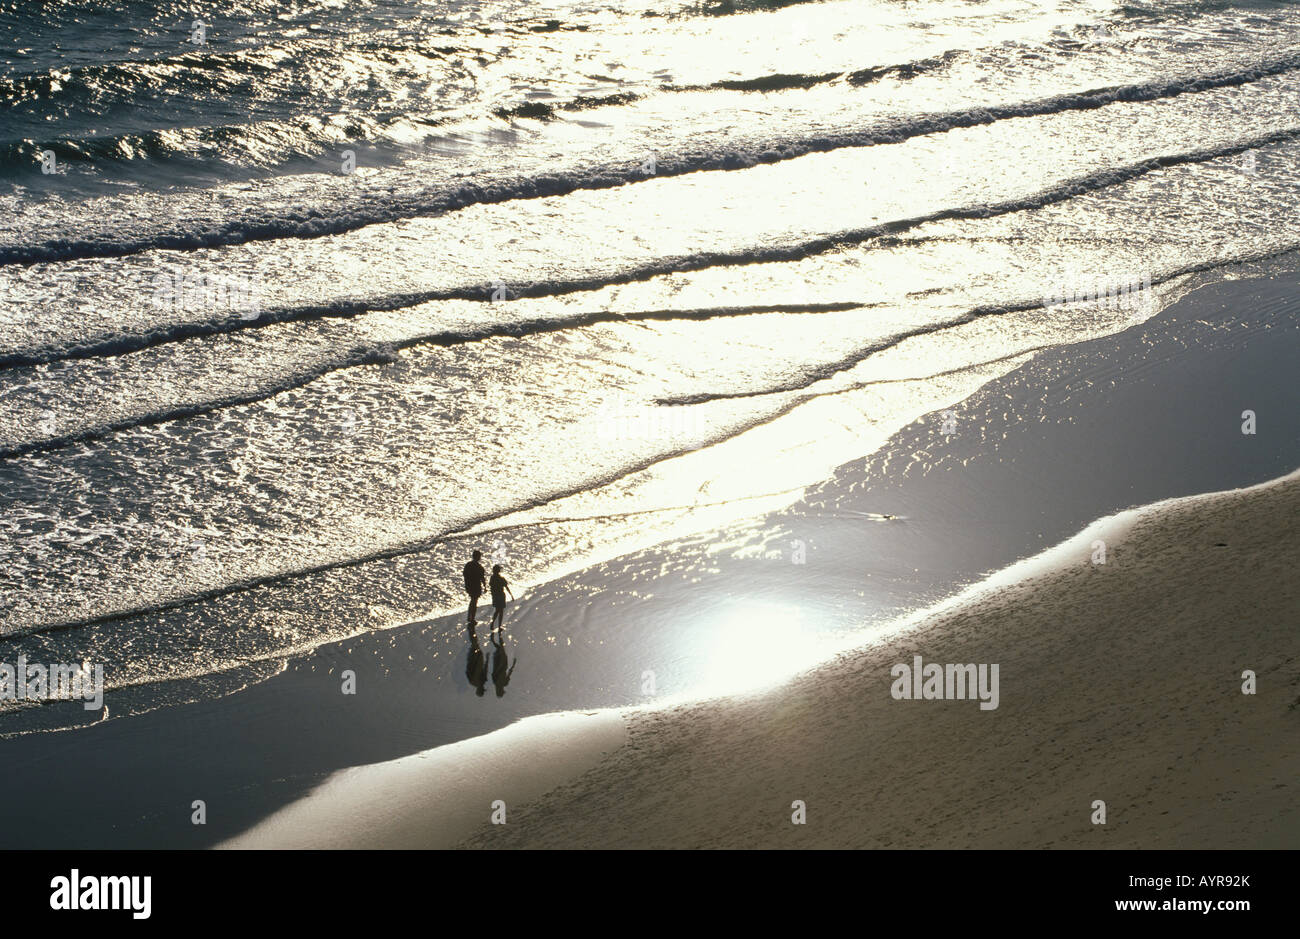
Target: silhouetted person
column 475, row 577
column 476, row 667
column 499, row 585
column 500, row 675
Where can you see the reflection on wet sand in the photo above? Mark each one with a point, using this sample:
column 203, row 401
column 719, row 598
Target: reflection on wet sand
column 476, row 666
column 502, row 667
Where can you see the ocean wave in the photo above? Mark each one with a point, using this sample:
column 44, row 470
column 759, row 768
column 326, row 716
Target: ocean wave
column 542, row 111
column 272, row 139
column 378, row 208
column 121, row 344
column 387, row 353
column 813, row 376
column 862, row 76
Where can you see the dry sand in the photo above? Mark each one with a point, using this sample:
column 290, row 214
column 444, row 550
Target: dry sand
column 434, row 799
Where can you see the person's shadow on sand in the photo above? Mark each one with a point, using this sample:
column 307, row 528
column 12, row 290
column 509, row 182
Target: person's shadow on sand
column 476, row 667
column 500, row 661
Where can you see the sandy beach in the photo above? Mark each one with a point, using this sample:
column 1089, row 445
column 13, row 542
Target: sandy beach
column 1120, row 682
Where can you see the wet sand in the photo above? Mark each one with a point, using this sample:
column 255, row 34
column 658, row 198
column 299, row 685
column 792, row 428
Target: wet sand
column 1120, row 691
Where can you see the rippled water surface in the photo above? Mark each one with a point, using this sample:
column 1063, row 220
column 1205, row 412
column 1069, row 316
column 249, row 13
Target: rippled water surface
column 313, row 290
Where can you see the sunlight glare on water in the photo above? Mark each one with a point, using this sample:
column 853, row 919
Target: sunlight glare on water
column 590, row 278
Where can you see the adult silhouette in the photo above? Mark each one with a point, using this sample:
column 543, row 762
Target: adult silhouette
column 475, row 581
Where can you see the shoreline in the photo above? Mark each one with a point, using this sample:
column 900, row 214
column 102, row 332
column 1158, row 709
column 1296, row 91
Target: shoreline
column 725, row 613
